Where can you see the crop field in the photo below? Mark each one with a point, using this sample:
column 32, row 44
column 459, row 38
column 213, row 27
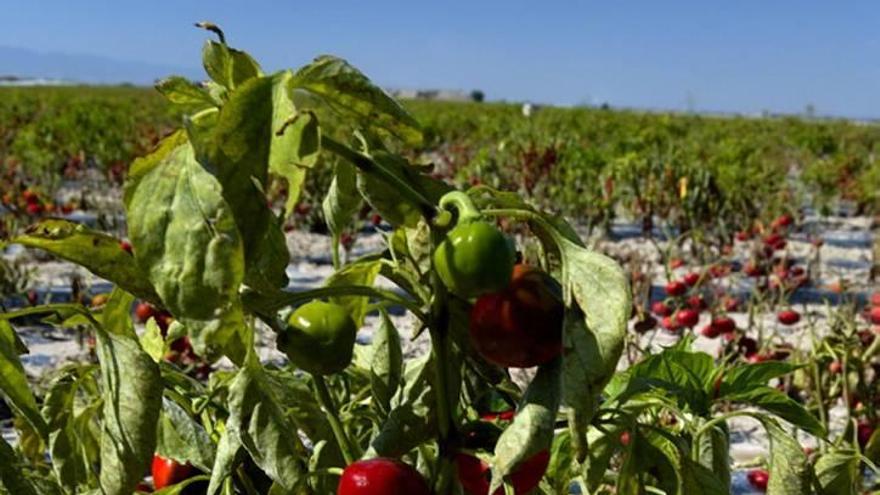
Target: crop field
column 292, row 283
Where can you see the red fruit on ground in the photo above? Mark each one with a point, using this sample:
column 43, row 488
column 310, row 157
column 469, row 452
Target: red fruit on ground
column 731, row 304
column 781, row 352
column 687, row 317
column 126, row 246
column 710, row 332
column 835, row 367
column 874, row 315
column 302, row 208
column 723, row 324
column 773, row 239
column 143, row 311
column 753, row 269
column 670, row 324
column 759, row 357
column 864, row 430
column 676, row 288
column 782, row 221
column 875, row 299
column 748, row 346
column 692, row 278
column 697, row 303
column 660, row 308
column 758, row 478
column 34, row 209
column 788, row 317
column 30, row 197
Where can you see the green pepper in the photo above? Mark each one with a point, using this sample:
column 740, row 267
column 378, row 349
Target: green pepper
column 319, row 338
column 475, row 257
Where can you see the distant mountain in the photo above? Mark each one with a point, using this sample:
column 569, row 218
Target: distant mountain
column 24, row 63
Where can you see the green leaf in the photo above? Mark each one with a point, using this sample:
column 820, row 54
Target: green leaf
column 714, row 452
column 775, row 402
column 743, row 378
column 238, row 153
column 152, row 341
column 181, row 488
column 263, row 429
column 187, row 243
column 342, row 200
column 97, row 252
column 386, row 365
column 361, row 273
column 185, row 93
column 224, row 463
column 348, row 91
column 405, row 428
column 666, row 459
column 872, row 448
column 790, row 470
column 386, row 197
column 837, row 472
column 602, row 446
column 132, row 400
column 679, row 374
column 182, row 438
column 14, row 383
column 69, row 461
column 533, row 426
column 227, row 66
column 592, row 348
column 11, row 472
column 559, row 470
column 296, row 142
column 141, row 166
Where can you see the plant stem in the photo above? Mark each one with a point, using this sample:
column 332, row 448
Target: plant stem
column 439, row 329
column 262, row 304
column 366, row 164
column 322, row 393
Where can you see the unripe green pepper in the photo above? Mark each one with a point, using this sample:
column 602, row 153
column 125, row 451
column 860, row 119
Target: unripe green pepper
column 475, row 257
column 319, row 338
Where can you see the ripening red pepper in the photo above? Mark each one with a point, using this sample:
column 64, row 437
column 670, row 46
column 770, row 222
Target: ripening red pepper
column 520, row 326
column 168, row 472
column 788, row 317
column 381, row 476
column 475, row 476
column 758, row 478
column 660, row 308
column 687, row 317
column 676, row 288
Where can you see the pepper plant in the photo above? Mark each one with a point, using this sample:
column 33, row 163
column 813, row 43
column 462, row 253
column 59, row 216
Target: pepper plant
column 208, row 248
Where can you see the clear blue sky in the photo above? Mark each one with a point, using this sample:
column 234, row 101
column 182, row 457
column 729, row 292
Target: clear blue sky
column 742, row 55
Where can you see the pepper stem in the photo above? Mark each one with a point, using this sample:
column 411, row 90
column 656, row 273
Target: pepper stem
column 462, row 202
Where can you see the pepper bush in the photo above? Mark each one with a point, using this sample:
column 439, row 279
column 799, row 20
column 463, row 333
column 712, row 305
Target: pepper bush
column 208, row 248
